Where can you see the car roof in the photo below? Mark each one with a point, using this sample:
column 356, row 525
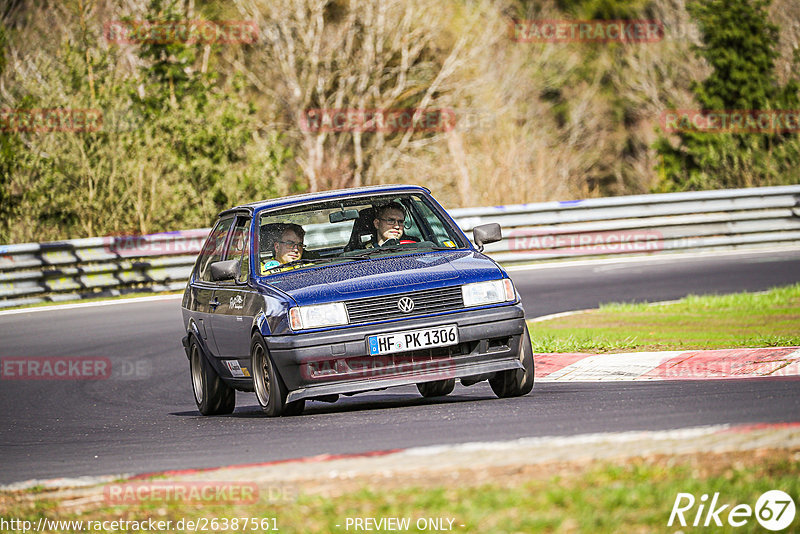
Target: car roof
column 324, row 195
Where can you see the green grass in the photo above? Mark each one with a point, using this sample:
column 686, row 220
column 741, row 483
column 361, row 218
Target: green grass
column 767, row 319
column 634, row 496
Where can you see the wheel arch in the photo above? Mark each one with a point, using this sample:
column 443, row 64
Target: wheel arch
column 193, row 332
column 260, row 324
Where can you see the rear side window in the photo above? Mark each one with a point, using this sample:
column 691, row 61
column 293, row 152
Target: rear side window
column 238, row 248
column 213, row 249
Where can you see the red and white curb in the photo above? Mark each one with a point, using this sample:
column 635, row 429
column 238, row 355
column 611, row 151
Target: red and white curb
column 669, row 365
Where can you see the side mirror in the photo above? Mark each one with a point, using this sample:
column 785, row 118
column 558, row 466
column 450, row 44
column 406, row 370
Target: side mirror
column 485, row 234
column 224, row 270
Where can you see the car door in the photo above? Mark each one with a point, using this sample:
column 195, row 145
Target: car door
column 203, row 287
column 233, row 316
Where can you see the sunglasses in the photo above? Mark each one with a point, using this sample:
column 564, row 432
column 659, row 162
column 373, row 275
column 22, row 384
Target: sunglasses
column 394, row 222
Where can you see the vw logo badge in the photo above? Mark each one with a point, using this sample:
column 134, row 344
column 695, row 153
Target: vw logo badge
column 405, row 305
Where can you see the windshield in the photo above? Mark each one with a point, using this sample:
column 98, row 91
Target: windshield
column 351, row 230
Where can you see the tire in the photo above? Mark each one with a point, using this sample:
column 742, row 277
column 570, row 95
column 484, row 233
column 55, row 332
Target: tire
column 211, row 394
column 267, row 383
column 440, row 388
column 516, row 382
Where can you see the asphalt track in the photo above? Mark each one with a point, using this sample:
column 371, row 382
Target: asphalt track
column 143, row 417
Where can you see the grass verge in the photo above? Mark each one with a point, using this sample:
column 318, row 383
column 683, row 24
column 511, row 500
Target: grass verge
column 767, row 319
column 633, row 495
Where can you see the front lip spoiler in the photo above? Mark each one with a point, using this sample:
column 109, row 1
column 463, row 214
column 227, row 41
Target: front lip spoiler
column 404, row 379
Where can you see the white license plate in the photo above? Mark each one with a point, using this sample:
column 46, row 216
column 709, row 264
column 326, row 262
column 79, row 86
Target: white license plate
column 440, row 336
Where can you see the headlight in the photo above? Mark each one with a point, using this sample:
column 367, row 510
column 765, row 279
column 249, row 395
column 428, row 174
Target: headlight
column 488, row 292
column 317, row 316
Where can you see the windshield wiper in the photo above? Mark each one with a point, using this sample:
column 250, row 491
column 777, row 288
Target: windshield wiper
column 328, row 259
column 420, row 247
column 307, row 262
column 378, row 250
column 364, row 254
column 436, row 247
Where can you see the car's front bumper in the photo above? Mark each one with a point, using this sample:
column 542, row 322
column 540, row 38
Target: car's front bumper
column 338, row 361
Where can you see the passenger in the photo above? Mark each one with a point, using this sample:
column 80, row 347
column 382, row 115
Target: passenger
column 288, row 247
column 389, row 226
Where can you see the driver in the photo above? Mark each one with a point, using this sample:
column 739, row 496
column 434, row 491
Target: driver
column 288, row 247
column 389, row 225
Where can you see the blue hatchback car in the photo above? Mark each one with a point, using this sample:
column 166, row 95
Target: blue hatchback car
column 314, row 296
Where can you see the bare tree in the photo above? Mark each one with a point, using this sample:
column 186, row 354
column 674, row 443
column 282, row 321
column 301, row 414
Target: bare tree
column 362, row 56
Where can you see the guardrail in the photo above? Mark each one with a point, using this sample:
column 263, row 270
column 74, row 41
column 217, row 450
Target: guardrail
column 642, row 224
column 97, row 266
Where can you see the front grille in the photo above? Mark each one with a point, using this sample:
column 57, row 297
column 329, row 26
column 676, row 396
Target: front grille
column 372, row 309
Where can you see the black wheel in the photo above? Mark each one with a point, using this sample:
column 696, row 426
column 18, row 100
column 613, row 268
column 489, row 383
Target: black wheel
column 439, row 388
column 516, row 382
column 211, row 394
column 268, row 385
